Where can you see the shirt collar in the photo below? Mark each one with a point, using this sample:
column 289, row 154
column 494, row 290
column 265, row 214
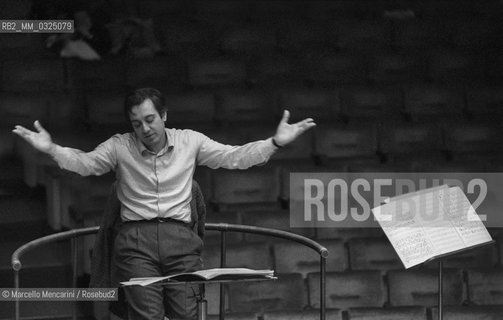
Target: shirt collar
column 169, row 144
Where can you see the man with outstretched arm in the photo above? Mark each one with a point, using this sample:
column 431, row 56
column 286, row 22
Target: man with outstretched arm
column 154, row 166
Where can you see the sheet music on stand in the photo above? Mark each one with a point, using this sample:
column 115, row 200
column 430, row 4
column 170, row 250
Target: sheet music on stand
column 430, row 224
column 204, row 276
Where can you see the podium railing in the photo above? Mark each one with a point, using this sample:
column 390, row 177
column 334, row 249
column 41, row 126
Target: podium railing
column 322, row 251
column 60, row 236
column 223, row 228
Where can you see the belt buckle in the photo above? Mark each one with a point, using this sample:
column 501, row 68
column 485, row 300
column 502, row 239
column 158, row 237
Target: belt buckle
column 160, row 220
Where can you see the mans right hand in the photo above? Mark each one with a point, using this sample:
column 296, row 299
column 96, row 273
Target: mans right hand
column 40, row 140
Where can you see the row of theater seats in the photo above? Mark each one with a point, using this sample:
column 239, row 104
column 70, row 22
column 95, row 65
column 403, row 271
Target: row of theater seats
column 363, row 270
column 364, row 273
column 401, row 26
column 410, row 313
column 315, row 11
column 184, row 34
column 351, row 249
column 338, row 147
column 268, row 187
column 354, row 248
column 229, row 105
column 336, row 150
column 256, row 10
column 324, row 68
column 363, row 289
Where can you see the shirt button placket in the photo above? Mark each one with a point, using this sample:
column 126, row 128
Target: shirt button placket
column 157, row 184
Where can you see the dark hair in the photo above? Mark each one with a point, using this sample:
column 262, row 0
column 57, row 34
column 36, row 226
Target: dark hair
column 138, row 96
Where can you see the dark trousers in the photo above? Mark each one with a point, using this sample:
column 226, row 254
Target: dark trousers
column 153, row 249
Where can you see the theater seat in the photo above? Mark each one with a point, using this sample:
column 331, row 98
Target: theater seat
column 337, row 142
column 366, row 35
column 234, row 316
column 465, row 137
column 243, row 106
column 7, row 143
column 214, row 72
column 295, row 154
column 420, row 287
column 372, row 254
column 388, row 67
column 371, row 102
column 162, row 72
column 219, row 10
column 484, row 101
column 330, row 314
column 348, row 233
column 393, row 313
column 286, row 293
column 426, row 102
column 275, row 71
column 152, row 8
column 415, row 33
column 29, row 46
column 257, row 187
column 66, row 111
column 272, row 12
column 318, row 103
column 470, row 33
column 105, row 110
column 348, row 289
column 481, row 257
column 191, row 107
column 184, row 38
column 248, row 39
column 295, row 36
column 290, row 257
column 485, row 286
column 328, row 68
column 31, row 75
column 294, row 171
column 410, row 140
column 24, row 108
column 454, row 66
column 469, row 313
column 103, row 75
column 240, row 255
column 275, row 219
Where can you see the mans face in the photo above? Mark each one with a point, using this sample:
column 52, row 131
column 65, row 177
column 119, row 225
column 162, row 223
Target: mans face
column 148, row 125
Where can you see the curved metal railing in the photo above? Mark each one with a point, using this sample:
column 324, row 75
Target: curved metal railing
column 60, row 236
column 223, row 228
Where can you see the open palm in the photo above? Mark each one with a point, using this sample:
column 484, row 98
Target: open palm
column 286, row 133
column 40, row 140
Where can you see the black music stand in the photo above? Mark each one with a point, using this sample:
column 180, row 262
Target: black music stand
column 440, row 259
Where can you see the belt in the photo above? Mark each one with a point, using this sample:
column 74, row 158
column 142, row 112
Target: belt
column 159, row 220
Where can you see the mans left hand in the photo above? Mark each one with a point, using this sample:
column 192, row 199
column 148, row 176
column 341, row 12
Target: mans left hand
column 286, row 133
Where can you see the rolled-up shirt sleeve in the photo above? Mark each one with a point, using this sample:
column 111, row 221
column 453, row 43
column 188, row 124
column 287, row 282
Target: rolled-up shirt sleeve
column 97, row 162
column 217, row 155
